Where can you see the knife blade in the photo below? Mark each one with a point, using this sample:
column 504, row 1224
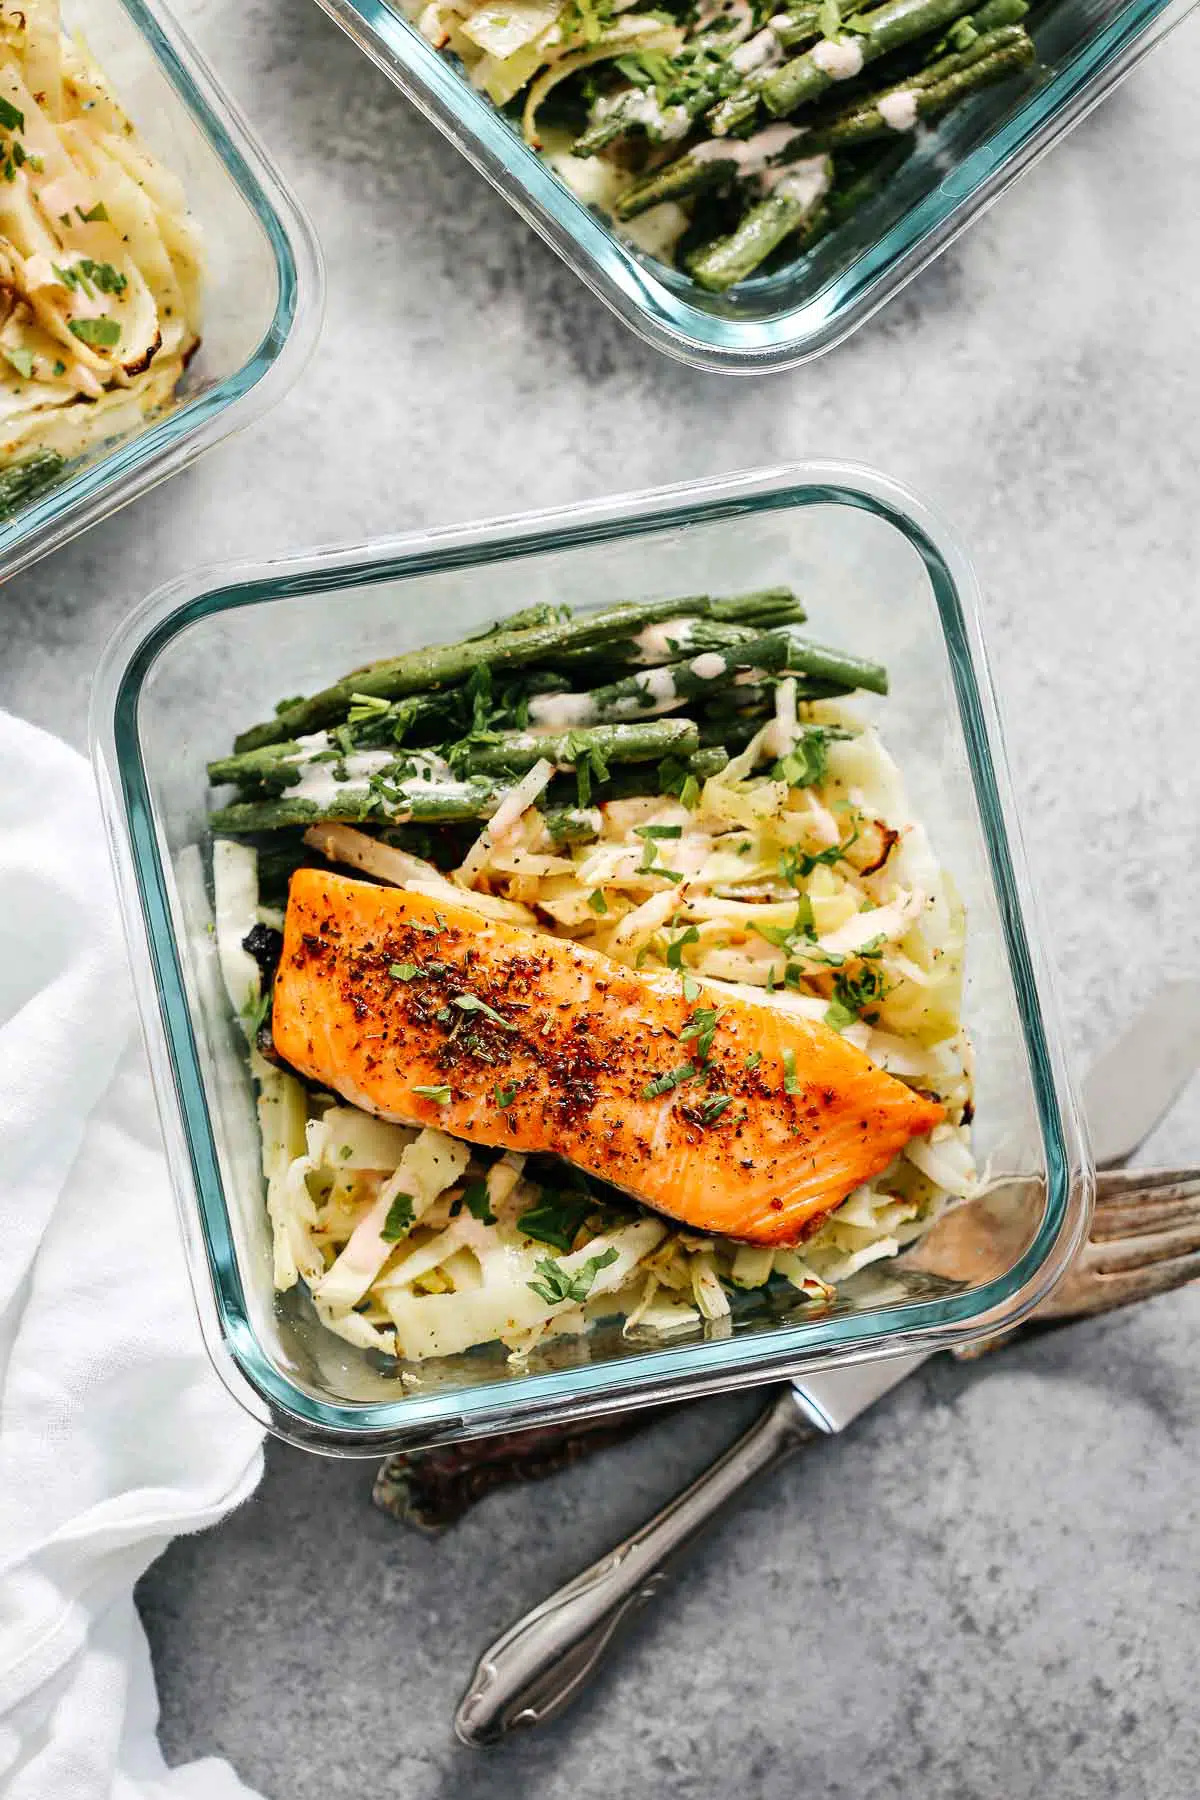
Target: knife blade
column 1132, row 1086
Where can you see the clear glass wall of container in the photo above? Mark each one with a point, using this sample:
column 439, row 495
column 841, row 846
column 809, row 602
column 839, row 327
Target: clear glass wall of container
column 206, row 656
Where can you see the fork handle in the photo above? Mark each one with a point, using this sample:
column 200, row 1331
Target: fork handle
column 536, row 1668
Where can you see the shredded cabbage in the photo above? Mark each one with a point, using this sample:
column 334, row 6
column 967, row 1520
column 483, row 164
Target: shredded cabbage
column 823, row 900
column 100, row 263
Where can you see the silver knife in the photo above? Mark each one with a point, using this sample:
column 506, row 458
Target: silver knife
column 535, row 1670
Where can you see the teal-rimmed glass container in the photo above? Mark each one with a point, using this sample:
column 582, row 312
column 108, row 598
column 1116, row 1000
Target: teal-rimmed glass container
column 264, row 289
column 218, row 648
column 1084, row 46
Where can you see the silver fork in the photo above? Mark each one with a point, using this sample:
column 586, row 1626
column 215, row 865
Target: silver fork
column 1144, row 1240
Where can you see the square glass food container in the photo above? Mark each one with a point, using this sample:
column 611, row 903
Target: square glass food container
column 264, row 292
column 775, row 321
column 211, row 652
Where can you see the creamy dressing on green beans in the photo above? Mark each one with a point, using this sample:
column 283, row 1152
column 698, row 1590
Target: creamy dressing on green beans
column 899, row 110
column 673, row 125
column 839, row 58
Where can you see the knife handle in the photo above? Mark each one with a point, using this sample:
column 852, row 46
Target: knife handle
column 535, row 1670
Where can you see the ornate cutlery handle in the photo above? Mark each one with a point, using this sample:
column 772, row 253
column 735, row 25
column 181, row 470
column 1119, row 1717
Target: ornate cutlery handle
column 536, row 1668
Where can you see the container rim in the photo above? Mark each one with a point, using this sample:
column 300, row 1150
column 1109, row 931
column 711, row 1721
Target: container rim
column 652, row 307
column 648, row 1377
column 188, row 430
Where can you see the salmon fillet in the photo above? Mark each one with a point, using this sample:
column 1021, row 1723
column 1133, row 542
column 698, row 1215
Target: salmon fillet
column 754, row 1126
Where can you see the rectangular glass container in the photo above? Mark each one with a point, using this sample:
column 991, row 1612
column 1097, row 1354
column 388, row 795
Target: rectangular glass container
column 215, row 650
column 775, row 321
column 263, row 296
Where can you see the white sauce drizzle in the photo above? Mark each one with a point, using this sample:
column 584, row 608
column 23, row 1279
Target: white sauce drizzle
column 658, row 685
column 560, row 712
column 735, row 16
column 758, row 52
column 659, row 643
column 899, row 110
column 640, row 106
column 709, row 666
column 839, row 58
column 805, row 182
column 752, row 155
column 319, row 784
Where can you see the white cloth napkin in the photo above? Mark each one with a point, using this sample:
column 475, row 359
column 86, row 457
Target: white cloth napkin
column 115, row 1433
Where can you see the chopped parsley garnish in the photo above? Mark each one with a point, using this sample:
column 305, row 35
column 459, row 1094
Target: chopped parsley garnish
column 60, row 368
column 711, row 1109
column 101, row 333
column 478, row 1202
column 557, row 1217
column 829, row 18
column 650, row 835
column 702, row 1026
column 404, row 971
column 399, row 1221
column 804, row 764
column 366, row 706
column 97, row 216
column 853, row 994
column 671, row 1078
column 799, row 865
column 691, row 988
column 504, row 1096
column 441, row 1095
column 587, row 17
column 790, row 937
column 647, row 68
column 471, row 1003
column 589, row 762
column 674, row 777
column 753, row 1059
column 11, row 117
column 791, row 1081
column 678, row 945
column 21, row 360
column 103, row 275
column 597, row 902
column 557, row 1285
column 87, row 276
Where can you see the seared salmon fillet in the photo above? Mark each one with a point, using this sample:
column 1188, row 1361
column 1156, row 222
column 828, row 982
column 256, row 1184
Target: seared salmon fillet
column 727, row 1115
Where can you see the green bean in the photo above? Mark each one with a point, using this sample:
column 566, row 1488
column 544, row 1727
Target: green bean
column 434, row 802
column 642, row 742
column 805, row 78
column 993, row 58
column 442, row 665
column 785, row 211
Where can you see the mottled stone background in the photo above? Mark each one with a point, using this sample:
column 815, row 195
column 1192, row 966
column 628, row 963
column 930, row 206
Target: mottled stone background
column 990, row 1589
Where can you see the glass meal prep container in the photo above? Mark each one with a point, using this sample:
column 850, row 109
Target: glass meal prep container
column 779, row 319
column 215, row 650
column 262, row 298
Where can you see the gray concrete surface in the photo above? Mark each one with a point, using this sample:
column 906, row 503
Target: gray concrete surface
column 990, row 1590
